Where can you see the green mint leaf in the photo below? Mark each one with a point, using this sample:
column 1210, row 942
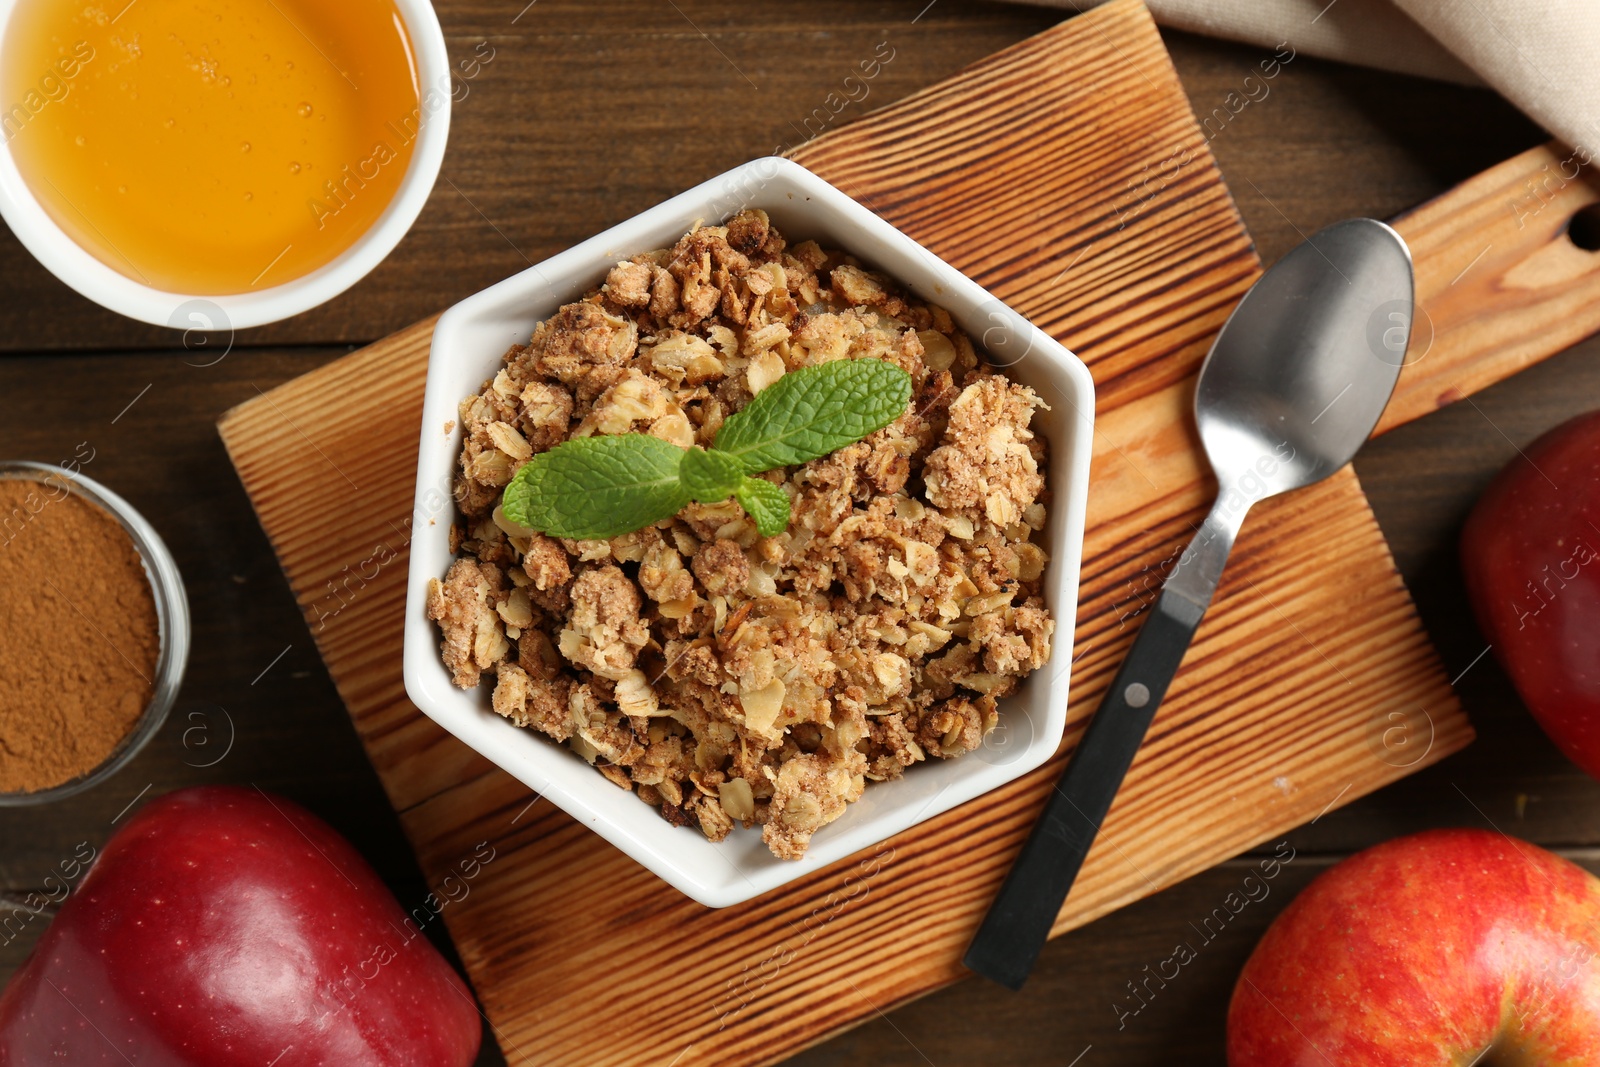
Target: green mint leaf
column 709, row 477
column 765, row 503
column 597, row 487
column 812, row 411
column 602, row 487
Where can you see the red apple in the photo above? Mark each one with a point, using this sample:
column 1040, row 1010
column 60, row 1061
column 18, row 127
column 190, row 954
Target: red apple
column 224, row 927
column 1428, row 951
column 1531, row 553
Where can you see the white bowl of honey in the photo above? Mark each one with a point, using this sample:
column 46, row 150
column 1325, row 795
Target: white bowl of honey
column 250, row 158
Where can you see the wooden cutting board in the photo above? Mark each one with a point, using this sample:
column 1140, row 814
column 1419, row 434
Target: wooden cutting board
column 1068, row 176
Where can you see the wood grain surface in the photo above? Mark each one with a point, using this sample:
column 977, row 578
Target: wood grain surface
column 1500, row 282
column 1330, row 141
column 1147, row 283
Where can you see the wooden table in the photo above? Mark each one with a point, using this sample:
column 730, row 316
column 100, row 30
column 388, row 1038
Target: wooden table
column 571, row 117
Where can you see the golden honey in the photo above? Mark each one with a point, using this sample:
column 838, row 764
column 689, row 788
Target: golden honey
column 210, row 146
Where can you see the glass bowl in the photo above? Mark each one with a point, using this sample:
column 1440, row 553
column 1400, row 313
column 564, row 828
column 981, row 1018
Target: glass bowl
column 172, row 621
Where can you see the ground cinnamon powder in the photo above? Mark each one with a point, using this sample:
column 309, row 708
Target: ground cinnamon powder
column 79, row 638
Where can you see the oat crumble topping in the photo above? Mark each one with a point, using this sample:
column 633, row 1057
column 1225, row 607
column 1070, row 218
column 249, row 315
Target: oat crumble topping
column 724, row 676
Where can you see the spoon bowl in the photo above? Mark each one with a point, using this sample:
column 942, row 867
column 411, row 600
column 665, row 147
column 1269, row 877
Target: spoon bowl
column 1294, row 382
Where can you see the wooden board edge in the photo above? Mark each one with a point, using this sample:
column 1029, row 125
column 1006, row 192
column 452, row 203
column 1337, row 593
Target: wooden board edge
column 1500, row 286
column 232, row 421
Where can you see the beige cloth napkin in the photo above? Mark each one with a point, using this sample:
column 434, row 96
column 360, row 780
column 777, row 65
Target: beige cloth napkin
column 1544, row 56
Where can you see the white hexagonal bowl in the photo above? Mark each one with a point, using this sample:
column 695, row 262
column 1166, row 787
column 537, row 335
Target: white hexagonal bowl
column 468, row 344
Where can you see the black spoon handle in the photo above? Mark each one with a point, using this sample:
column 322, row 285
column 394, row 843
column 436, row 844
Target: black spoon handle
column 1018, row 923
column 1019, row 920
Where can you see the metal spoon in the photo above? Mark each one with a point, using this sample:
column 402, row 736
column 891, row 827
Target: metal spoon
column 1293, row 385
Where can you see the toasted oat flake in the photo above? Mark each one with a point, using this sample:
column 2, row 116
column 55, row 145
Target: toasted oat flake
column 725, row 677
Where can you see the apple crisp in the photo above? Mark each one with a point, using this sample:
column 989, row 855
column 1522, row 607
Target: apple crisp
column 724, row 676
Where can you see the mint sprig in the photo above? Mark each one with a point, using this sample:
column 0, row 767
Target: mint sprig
column 597, row 487
column 765, row 503
column 814, row 411
column 602, row 487
column 709, row 476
